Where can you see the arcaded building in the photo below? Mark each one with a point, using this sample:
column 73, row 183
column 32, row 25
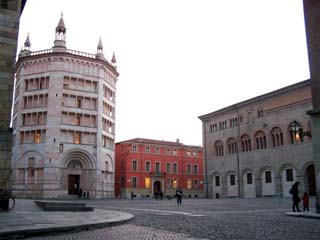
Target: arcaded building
column 146, row 167
column 261, row 146
column 63, row 122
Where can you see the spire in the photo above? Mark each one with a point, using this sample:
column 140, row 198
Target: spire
column 100, row 50
column 100, row 47
column 113, row 60
column 61, row 27
column 27, row 43
column 60, row 40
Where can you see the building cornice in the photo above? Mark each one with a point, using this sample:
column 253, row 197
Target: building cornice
column 67, row 53
column 262, row 97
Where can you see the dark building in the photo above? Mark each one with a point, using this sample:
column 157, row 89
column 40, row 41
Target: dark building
column 10, row 11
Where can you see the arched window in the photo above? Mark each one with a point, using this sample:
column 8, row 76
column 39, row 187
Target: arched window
column 296, row 132
column 261, row 140
column 232, row 146
column 246, row 143
column 277, row 137
column 219, row 148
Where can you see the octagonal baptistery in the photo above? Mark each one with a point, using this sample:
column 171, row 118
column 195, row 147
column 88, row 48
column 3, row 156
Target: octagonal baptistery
column 64, row 122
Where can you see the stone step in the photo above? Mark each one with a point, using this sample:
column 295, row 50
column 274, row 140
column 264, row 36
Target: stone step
column 63, row 206
column 58, row 203
column 68, row 208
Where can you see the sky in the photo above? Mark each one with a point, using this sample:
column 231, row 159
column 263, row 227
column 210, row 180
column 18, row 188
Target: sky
column 179, row 59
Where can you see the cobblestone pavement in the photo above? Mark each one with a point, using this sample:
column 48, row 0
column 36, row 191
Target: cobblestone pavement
column 261, row 218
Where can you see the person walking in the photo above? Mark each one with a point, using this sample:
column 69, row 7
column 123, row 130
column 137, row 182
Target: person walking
column 294, row 191
column 179, row 195
column 305, row 201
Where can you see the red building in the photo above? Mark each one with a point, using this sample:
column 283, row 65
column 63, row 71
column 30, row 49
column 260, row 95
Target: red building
column 146, row 167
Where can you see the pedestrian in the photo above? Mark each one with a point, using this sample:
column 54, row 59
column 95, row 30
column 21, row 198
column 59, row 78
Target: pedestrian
column 161, row 195
column 294, row 191
column 80, row 192
column 305, row 201
column 179, row 195
column 132, row 195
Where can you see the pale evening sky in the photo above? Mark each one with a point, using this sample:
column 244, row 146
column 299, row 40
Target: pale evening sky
column 179, row 59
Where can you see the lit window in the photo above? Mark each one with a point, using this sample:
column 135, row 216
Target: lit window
column 147, row 182
column 174, row 183
column 37, row 137
column 77, row 138
column 189, row 184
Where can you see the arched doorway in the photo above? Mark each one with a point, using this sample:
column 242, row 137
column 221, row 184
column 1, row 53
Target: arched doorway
column 311, row 180
column 156, row 188
column 74, row 171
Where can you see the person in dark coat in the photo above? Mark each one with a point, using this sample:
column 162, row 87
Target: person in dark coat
column 295, row 197
column 179, row 195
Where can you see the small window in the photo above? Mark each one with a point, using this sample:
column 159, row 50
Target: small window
column 289, row 175
column 195, row 183
column 134, row 165
column 157, row 150
column 148, row 166
column 134, row 182
column 168, row 167
column 268, row 177
column 189, row 168
column 175, row 168
column 188, row 153
column 174, row 152
column 217, row 181
column 249, row 178
column 168, row 151
column 168, row 183
column 232, row 180
column 195, row 169
column 134, row 148
column 61, row 148
column 157, row 167
column 147, row 149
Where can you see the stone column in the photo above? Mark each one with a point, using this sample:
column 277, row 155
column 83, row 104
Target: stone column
column 312, row 19
column 9, row 25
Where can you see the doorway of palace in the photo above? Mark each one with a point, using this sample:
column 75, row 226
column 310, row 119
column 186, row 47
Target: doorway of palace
column 156, row 188
column 311, row 180
column 73, row 184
